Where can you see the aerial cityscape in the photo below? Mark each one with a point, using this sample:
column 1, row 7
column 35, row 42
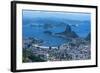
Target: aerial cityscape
column 55, row 36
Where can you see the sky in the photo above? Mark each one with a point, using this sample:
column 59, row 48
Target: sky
column 32, row 14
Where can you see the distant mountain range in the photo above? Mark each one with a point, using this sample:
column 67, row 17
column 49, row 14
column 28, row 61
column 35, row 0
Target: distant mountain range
column 52, row 20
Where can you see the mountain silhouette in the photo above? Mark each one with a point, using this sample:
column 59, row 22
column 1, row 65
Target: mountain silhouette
column 88, row 37
column 68, row 32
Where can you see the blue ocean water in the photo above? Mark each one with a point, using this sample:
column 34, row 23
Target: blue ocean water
column 44, row 25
